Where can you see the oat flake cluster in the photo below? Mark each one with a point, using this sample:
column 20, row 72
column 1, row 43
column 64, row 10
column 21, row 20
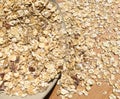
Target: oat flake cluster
column 31, row 45
column 92, row 46
column 34, row 47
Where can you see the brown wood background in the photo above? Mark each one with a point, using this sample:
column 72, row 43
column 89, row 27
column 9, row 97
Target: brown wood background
column 95, row 93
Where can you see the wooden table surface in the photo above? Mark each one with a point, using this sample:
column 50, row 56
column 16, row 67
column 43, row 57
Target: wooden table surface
column 95, row 93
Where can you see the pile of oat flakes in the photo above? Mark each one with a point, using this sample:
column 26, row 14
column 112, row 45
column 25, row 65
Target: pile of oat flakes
column 34, row 47
column 93, row 46
column 31, row 45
